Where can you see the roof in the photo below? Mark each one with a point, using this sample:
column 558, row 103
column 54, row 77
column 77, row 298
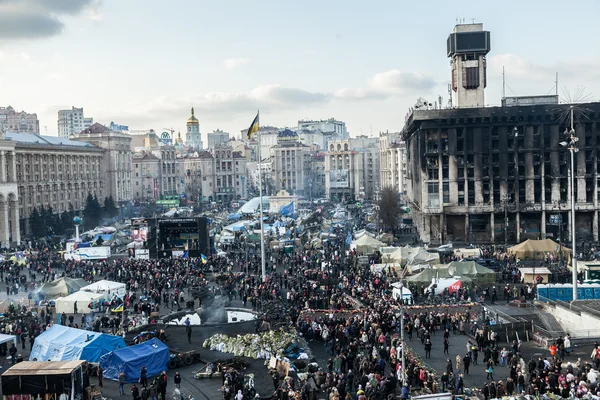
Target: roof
column 96, row 128
column 43, row 368
column 530, row 271
column 33, row 139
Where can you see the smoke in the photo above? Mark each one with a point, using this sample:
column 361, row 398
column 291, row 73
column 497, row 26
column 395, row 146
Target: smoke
column 215, row 313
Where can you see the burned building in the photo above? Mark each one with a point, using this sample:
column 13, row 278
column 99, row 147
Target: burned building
column 500, row 174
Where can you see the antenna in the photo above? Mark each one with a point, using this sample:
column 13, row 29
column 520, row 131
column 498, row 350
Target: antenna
column 503, row 84
column 556, row 83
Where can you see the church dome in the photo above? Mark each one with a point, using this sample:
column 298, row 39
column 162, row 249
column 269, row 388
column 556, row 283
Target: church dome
column 192, row 119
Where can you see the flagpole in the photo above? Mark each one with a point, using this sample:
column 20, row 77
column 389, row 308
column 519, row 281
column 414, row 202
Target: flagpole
column 262, row 230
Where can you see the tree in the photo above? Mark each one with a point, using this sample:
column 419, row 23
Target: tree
column 110, row 208
column 92, row 212
column 389, row 208
column 36, row 224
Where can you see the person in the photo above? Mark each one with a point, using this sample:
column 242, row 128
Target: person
column 100, row 376
column 490, row 370
column 121, row 383
column 135, row 392
column 466, row 363
column 162, row 385
column 177, row 380
column 458, row 363
column 404, row 394
column 188, row 331
column 144, row 376
column 446, row 345
column 12, row 352
column 428, row 348
column 75, row 308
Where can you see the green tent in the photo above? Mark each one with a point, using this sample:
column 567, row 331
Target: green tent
column 477, row 272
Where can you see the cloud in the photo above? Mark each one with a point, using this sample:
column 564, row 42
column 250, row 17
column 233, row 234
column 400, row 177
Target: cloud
column 516, row 67
column 232, row 63
column 389, row 83
column 32, row 19
column 218, row 105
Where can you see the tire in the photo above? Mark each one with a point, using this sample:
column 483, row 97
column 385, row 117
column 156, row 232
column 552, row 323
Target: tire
column 196, row 358
column 187, row 360
column 172, row 364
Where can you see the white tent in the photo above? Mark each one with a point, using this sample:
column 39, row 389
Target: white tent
column 366, row 244
column 8, row 338
column 66, row 304
column 399, row 290
column 107, row 288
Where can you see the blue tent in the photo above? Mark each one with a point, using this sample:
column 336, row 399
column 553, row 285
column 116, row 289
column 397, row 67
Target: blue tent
column 61, row 343
column 153, row 354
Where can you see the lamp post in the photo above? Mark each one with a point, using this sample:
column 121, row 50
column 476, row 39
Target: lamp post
column 571, row 145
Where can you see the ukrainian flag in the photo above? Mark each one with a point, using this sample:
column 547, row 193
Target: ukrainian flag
column 203, row 258
column 253, row 127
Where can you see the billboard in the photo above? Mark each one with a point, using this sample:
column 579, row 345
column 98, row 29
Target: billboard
column 139, row 234
column 165, row 138
column 339, row 178
column 118, row 128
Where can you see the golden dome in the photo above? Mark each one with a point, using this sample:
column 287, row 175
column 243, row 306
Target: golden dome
column 192, row 119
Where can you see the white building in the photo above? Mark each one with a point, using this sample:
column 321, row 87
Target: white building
column 392, row 155
column 352, row 168
column 192, row 135
column 71, row 122
column 216, row 137
column 331, row 128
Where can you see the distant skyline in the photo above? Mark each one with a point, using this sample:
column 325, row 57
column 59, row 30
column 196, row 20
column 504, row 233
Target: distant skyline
column 145, row 64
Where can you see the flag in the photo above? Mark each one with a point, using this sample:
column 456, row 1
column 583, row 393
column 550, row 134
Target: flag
column 185, row 254
column 253, row 127
column 203, row 258
column 287, row 210
column 349, row 239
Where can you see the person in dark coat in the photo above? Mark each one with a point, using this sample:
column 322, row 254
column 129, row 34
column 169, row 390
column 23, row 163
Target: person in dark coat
column 177, row 380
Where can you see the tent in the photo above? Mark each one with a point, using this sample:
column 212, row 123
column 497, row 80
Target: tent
column 67, row 304
column 366, row 244
column 477, row 272
column 8, row 338
column 538, row 249
column 413, row 255
column 61, row 287
column 153, row 354
column 108, row 288
column 61, row 343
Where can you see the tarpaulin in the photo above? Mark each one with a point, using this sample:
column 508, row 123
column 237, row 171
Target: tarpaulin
column 153, row 354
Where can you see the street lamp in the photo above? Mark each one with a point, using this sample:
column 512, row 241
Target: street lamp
column 571, row 145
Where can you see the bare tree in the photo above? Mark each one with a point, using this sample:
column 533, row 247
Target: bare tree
column 389, row 208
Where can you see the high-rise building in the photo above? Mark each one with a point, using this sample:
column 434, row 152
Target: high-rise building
column 230, row 180
column 192, row 136
column 216, row 137
column 392, row 158
column 71, row 122
column 352, row 168
column 289, row 162
column 18, row 122
column 467, row 47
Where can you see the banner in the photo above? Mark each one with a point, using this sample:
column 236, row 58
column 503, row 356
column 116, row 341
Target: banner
column 339, row 178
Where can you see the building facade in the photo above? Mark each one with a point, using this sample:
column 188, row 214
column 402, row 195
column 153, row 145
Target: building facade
column 230, row 178
column 483, row 175
column 71, row 122
column 19, row 122
column 117, row 162
column 216, row 137
column 352, row 169
column 53, row 172
column 392, row 159
column 331, row 128
column 289, row 163
column 198, row 175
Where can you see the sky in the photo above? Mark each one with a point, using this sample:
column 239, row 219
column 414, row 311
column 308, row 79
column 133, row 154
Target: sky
column 145, row 63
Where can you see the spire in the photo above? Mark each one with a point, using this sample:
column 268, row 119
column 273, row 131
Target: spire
column 192, row 119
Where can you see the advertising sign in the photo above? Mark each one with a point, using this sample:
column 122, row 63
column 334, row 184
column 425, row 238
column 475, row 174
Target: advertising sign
column 142, row 254
column 94, row 253
column 140, row 234
column 339, row 178
column 118, row 128
column 165, row 138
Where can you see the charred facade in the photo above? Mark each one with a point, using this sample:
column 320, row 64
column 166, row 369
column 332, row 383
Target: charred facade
column 500, row 174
